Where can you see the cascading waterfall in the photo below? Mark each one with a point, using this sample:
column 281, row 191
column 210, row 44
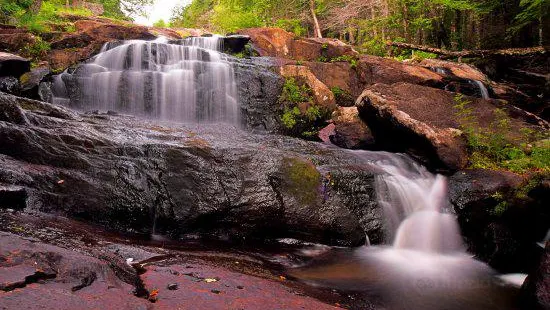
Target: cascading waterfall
column 482, row 89
column 412, row 199
column 189, row 81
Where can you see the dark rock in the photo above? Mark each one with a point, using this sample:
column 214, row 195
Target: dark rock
column 30, row 82
column 172, row 286
column 257, row 186
column 499, row 226
column 234, row 44
column 259, row 88
column 350, row 132
column 13, row 65
column 536, row 288
column 13, row 197
column 10, row 85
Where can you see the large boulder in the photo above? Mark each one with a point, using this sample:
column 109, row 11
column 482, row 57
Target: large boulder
column 132, row 174
column 350, row 131
column 13, row 65
column 426, row 122
column 276, row 42
column 502, row 216
column 416, row 119
column 322, row 95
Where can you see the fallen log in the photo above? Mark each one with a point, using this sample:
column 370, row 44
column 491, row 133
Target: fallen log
column 471, row 53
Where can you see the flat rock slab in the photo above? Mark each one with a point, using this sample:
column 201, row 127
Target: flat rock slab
column 206, row 287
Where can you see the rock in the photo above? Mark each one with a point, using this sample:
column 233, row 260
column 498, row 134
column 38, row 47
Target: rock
column 461, row 70
column 259, row 89
column 16, row 41
column 322, row 95
column 13, row 197
column 499, row 225
column 172, row 287
column 416, row 119
column 30, row 82
column 536, row 288
column 10, row 85
column 373, row 69
column 350, row 132
column 39, row 274
column 234, row 44
column 257, row 186
column 96, row 8
column 339, row 75
column 276, row 42
column 424, row 122
column 13, row 65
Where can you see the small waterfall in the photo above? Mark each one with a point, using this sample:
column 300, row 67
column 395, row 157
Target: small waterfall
column 482, row 89
column 413, row 199
column 191, row 81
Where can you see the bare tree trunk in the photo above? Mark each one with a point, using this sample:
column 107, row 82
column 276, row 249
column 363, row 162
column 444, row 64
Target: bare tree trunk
column 540, row 30
column 316, row 27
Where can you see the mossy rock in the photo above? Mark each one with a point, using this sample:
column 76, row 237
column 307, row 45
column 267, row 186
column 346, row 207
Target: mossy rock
column 301, row 179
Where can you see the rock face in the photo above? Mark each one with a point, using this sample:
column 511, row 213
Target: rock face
column 13, row 65
column 129, row 174
column 501, row 223
column 416, row 119
column 536, row 289
column 424, row 122
column 276, row 42
column 322, row 95
column 350, row 131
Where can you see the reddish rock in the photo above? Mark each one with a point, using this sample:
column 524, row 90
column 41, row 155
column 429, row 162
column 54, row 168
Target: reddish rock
column 323, row 96
column 373, row 69
column 460, row 70
column 276, row 42
column 338, row 74
column 350, row 131
column 205, row 287
column 15, row 42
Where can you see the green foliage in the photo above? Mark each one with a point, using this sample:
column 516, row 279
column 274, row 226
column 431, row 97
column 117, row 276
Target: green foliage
column 290, row 116
column 292, row 25
column 38, row 49
column 531, row 11
column 160, row 23
column 494, row 148
column 294, row 93
column 347, row 58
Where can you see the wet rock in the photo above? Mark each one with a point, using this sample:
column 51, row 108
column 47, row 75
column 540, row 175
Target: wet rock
column 536, row 289
column 13, row 65
column 350, row 131
column 172, row 287
column 10, row 85
column 13, row 197
column 41, row 274
column 276, row 42
column 259, row 88
column 500, row 223
column 128, row 173
column 461, row 70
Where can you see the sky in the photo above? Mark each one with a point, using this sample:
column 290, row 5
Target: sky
column 162, row 9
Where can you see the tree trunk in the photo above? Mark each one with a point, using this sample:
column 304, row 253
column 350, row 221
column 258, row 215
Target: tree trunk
column 316, row 27
column 472, row 53
column 35, row 6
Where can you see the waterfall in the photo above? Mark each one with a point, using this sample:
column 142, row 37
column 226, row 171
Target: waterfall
column 189, row 81
column 413, row 199
column 482, row 89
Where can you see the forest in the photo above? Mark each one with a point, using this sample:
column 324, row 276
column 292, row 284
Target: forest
column 369, row 24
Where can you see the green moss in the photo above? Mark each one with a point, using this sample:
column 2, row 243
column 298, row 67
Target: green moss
column 301, row 180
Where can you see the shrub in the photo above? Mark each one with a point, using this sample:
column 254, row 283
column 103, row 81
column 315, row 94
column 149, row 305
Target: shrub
column 292, row 25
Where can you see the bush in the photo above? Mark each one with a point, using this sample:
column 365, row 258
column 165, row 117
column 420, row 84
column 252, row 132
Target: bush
column 292, row 25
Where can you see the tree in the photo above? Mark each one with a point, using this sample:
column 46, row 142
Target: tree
column 532, row 11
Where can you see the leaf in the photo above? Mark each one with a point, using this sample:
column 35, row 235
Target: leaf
column 210, row 280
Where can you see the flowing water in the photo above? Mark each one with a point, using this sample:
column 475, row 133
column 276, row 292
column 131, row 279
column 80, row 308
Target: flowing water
column 190, row 81
column 425, row 265
column 482, row 89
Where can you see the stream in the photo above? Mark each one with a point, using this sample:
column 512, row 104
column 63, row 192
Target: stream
column 422, row 263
